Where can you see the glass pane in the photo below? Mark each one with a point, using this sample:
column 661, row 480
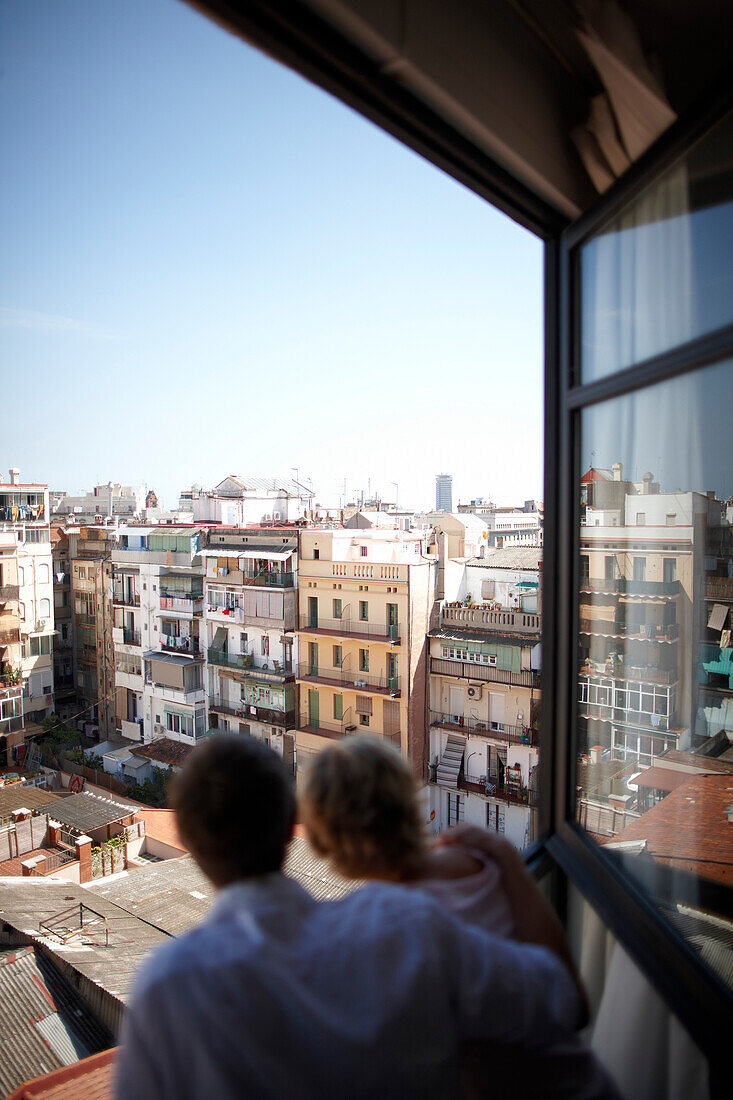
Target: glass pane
column 659, row 274
column 655, row 675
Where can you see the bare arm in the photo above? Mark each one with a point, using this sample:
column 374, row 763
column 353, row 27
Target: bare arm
column 535, row 921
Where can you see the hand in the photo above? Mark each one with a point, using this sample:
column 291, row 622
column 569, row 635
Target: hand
column 490, row 842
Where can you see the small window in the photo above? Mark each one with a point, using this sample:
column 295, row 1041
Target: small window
column 363, row 660
column 337, row 609
column 338, row 659
column 363, row 611
column 363, row 551
column 363, row 719
column 316, row 554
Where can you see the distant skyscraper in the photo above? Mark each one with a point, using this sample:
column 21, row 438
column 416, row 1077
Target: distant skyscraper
column 444, row 493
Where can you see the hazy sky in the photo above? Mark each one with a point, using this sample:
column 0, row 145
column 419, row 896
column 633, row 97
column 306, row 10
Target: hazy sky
column 210, row 266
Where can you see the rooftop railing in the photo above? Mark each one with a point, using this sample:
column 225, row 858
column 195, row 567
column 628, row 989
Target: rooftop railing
column 496, row 621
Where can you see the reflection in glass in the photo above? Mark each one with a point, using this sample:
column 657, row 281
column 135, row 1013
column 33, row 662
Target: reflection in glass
column 659, row 274
column 655, row 660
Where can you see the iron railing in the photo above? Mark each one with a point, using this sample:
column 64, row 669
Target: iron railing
column 515, row 735
column 467, row 669
column 351, row 678
column 362, row 628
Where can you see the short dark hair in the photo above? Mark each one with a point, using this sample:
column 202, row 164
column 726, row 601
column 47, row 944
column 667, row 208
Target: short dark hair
column 235, row 807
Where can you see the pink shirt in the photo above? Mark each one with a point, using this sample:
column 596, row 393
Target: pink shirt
column 478, row 899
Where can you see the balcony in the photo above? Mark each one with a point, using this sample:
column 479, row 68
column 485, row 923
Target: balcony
column 351, row 679
column 328, row 728
column 496, row 621
column 271, row 716
column 180, row 644
column 270, row 670
column 131, row 599
column 348, row 628
column 9, row 592
column 624, row 586
column 183, row 605
column 513, row 735
column 266, row 579
column 642, row 632
column 130, row 637
column 618, row 670
column 231, row 615
column 659, row 723
column 719, row 588
column 442, row 666
column 492, row 788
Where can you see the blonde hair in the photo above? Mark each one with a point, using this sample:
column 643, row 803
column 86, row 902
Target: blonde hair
column 358, row 804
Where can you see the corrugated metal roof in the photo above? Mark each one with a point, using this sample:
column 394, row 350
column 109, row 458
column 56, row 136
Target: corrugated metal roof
column 44, row 1022
column 175, row 895
column 85, row 810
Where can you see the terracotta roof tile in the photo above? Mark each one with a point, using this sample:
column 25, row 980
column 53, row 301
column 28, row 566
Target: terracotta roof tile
column 689, row 828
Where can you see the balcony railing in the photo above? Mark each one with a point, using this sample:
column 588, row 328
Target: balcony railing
column 640, row 631
column 271, row 716
column 344, row 628
column 719, row 588
column 492, row 788
column 245, row 662
column 268, row 579
column 638, row 673
column 328, row 727
column 630, row 587
column 9, row 592
column 480, row 618
column 177, row 644
column 130, row 599
column 130, row 637
column 187, row 605
column 350, row 678
column 489, row 673
column 514, row 735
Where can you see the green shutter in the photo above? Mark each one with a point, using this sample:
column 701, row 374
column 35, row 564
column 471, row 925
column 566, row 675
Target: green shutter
column 338, row 707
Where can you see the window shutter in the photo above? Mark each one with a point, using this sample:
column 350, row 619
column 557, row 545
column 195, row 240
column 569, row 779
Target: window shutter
column 363, row 704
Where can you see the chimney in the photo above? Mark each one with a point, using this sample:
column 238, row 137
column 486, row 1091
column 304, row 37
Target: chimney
column 596, row 754
column 618, row 471
column 14, row 475
column 84, row 855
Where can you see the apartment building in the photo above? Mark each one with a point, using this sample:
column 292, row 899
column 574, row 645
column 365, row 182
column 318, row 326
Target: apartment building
column 365, row 599
column 24, row 515
column 11, row 678
column 485, row 696
column 238, row 501
column 250, row 618
column 104, row 501
column 90, row 562
column 157, row 595
column 642, row 589
column 63, row 645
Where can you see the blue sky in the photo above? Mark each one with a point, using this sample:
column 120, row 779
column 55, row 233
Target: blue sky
column 210, row 266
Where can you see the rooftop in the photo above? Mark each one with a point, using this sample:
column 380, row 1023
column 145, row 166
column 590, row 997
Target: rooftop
column 44, row 1023
column 89, row 1079
column 451, row 634
column 165, row 751
column 695, row 763
column 19, row 795
column 86, row 810
column 689, row 828
column 510, row 557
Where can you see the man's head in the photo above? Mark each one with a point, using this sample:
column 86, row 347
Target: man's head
column 235, row 807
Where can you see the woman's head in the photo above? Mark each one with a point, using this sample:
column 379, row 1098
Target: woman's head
column 359, row 806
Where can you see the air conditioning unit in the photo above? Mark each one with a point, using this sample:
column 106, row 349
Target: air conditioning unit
column 158, row 728
column 474, row 691
column 41, row 624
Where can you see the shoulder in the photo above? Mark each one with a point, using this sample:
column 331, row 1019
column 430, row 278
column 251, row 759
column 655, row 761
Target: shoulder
column 177, row 956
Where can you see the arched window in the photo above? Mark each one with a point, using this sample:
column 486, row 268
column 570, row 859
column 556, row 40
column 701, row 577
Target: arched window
column 43, row 574
column 45, row 605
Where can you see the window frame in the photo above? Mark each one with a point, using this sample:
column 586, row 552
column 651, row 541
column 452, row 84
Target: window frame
column 694, row 992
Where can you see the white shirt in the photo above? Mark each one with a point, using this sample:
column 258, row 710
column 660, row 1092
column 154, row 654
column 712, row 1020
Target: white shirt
column 277, row 995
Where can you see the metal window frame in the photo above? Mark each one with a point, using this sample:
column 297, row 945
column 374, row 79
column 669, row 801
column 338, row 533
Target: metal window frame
column 698, row 997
